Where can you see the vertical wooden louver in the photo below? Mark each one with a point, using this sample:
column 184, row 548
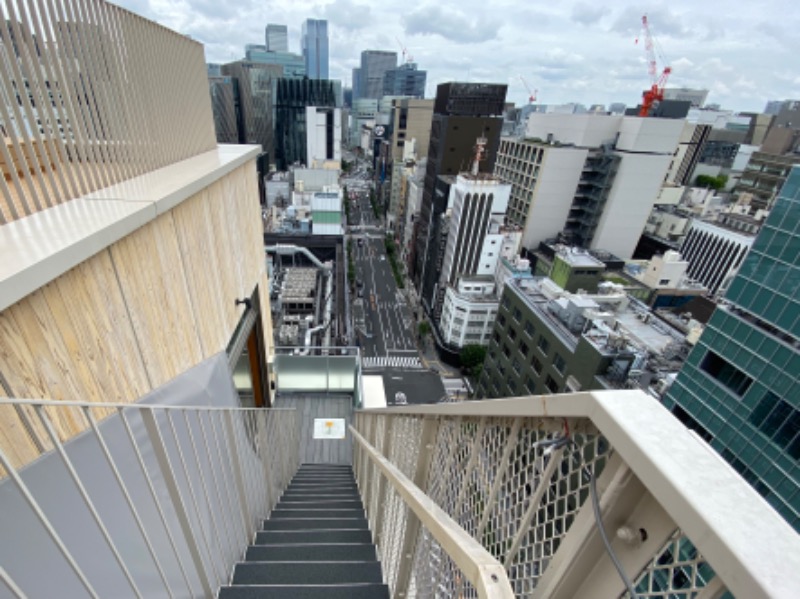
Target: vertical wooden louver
column 92, row 95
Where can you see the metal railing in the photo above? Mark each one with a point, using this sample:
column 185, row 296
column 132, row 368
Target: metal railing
column 596, row 494
column 166, row 498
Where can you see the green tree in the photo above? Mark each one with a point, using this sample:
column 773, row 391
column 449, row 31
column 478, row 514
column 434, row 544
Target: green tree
column 709, row 182
column 472, row 357
column 424, row 328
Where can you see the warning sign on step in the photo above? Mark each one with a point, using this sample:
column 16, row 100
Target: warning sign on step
column 329, row 428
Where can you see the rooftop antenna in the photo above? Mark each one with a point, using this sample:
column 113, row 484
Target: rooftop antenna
column 480, row 151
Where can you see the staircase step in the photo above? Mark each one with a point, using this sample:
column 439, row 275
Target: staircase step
column 350, row 552
column 324, row 482
column 315, row 524
column 317, row 478
column 307, row 572
column 275, row 537
column 318, row 485
column 321, row 495
column 336, row 504
column 280, row 513
column 355, row 591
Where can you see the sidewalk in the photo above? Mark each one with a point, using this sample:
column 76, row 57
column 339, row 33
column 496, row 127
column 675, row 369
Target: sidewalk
column 430, row 359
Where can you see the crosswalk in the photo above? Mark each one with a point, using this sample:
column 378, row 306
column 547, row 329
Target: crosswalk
column 391, row 362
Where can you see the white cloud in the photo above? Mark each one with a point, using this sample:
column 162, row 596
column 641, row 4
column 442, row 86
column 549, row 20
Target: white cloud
column 577, row 51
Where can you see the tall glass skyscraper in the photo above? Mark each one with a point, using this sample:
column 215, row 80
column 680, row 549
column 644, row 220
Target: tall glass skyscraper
column 277, row 38
column 314, row 40
column 740, row 387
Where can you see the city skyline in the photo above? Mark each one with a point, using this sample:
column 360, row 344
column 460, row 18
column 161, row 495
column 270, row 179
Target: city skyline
column 743, row 57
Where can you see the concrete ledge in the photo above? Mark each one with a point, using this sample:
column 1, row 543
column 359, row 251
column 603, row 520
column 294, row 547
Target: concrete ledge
column 41, row 247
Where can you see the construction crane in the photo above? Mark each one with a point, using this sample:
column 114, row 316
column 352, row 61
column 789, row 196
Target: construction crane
column 407, row 58
column 657, row 81
column 531, row 93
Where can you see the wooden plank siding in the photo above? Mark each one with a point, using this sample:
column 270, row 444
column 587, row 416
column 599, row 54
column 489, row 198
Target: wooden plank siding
column 137, row 313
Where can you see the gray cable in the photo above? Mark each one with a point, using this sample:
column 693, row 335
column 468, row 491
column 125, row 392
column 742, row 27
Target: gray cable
column 609, row 550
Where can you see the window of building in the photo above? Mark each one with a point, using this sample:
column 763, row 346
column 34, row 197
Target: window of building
column 551, row 384
column 529, row 330
column 496, row 337
column 530, row 385
column 726, row 373
column 506, row 351
column 512, row 333
column 779, row 421
column 663, row 282
column 536, row 365
column 501, row 319
column 559, row 363
column 515, row 365
column 517, row 314
column 523, row 349
column 544, row 345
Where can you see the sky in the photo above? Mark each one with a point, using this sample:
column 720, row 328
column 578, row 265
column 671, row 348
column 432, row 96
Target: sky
column 744, row 53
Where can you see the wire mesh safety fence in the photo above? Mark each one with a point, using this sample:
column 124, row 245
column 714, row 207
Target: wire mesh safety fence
column 422, row 551
column 167, row 497
column 513, row 484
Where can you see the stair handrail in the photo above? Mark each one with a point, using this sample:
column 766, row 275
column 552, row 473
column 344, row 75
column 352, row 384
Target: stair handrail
column 481, row 569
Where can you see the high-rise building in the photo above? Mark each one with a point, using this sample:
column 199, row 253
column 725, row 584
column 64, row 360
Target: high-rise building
column 355, row 87
column 277, row 38
column 463, row 113
column 253, row 98
column 405, row 80
column 594, row 177
column 314, row 42
column 323, row 137
column 374, row 65
column 739, row 386
column 293, row 65
column 224, row 107
column 292, row 98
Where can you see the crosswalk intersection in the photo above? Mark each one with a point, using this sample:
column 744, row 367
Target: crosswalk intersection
column 391, row 362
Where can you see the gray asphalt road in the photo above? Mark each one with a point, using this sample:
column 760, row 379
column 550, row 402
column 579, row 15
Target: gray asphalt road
column 387, row 329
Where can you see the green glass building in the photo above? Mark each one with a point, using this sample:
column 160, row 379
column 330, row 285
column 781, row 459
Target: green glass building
column 740, row 387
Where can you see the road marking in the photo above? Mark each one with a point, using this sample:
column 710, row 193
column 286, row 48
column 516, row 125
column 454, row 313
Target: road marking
column 391, row 362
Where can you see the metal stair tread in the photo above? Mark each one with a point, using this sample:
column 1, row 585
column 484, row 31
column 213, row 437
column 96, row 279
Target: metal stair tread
column 308, row 572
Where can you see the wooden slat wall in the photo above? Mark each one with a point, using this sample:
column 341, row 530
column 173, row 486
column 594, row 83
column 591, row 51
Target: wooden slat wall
column 138, row 313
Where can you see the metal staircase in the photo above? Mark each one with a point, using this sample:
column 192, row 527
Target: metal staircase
column 316, row 543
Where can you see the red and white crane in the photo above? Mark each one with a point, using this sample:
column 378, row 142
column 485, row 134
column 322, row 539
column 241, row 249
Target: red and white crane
column 658, row 81
column 531, row 93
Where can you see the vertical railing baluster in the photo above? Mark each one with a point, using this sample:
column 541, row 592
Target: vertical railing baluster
column 156, row 500
column 12, row 473
column 178, row 504
column 128, row 499
column 44, row 418
column 192, row 495
column 233, row 547
column 236, row 465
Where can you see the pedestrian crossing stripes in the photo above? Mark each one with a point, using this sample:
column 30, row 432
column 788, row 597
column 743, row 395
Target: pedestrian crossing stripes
column 391, row 362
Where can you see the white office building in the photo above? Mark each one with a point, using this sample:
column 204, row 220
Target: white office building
column 595, row 177
column 324, row 137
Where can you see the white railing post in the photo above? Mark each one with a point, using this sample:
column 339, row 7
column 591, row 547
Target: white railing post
column 427, row 446
column 178, row 504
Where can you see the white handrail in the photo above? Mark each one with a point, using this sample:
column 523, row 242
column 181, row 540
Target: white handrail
column 482, row 570
column 750, row 547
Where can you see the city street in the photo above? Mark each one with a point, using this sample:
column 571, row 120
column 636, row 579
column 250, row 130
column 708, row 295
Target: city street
column 383, row 320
